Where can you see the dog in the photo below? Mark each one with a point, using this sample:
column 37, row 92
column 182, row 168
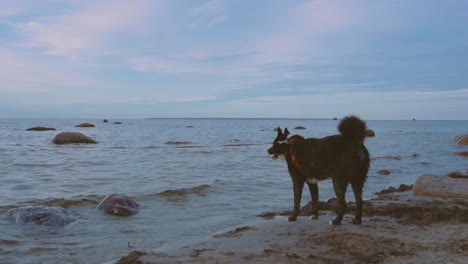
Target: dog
column 342, row 157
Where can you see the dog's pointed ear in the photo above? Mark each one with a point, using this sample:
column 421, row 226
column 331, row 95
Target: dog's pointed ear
column 286, row 132
column 279, row 136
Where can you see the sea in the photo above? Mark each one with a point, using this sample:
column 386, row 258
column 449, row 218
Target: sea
column 192, row 178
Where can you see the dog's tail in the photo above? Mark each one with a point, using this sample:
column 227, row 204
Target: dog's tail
column 353, row 127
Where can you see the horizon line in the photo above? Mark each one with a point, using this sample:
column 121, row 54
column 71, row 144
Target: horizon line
column 251, row 118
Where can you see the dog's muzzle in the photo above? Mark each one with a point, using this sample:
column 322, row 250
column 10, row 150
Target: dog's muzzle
column 272, row 153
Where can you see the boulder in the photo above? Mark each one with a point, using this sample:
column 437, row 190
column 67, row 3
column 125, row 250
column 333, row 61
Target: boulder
column 72, row 138
column 85, row 125
column 370, row 133
column 41, row 215
column 40, row 129
column 462, row 140
column 118, row 205
column 462, row 153
column 441, row 186
column 105, row 121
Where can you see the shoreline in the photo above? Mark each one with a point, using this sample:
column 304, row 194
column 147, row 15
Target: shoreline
column 398, row 227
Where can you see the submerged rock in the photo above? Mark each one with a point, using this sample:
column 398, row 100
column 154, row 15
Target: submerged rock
column 117, row 123
column 441, row 186
column 85, row 125
column 72, row 138
column 299, row 128
column 383, row 172
column 41, row 215
column 175, row 142
column 118, row 205
column 40, row 129
column 391, row 189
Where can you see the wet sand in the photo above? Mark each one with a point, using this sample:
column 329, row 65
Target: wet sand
column 398, row 227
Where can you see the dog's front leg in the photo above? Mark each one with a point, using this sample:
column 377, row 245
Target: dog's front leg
column 340, row 190
column 313, row 188
column 298, row 185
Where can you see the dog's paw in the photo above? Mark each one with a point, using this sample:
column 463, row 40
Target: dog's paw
column 292, row 218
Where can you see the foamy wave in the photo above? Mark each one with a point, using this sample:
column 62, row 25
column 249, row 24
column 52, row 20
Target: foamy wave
column 57, row 202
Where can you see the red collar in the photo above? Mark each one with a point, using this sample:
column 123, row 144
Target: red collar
column 293, row 141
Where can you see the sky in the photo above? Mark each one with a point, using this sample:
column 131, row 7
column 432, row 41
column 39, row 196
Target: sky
column 386, row 59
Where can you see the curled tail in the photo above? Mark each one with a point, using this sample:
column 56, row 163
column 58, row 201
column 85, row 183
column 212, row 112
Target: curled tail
column 353, row 127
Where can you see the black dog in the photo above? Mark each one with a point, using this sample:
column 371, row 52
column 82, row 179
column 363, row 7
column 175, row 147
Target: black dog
column 342, row 157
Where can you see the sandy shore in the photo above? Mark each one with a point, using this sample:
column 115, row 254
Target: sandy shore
column 398, row 227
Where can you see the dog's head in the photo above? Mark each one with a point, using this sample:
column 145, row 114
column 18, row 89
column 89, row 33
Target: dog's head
column 280, row 144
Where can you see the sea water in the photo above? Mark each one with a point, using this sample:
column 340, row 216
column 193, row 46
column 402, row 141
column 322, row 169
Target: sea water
column 192, row 178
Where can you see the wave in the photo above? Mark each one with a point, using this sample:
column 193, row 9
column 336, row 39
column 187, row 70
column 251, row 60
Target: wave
column 7, row 242
column 58, row 202
column 23, row 164
column 93, row 199
column 197, row 190
column 151, row 147
column 390, row 157
column 191, row 146
column 242, row 144
column 175, row 142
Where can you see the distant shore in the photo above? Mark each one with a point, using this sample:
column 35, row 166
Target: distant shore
column 398, row 227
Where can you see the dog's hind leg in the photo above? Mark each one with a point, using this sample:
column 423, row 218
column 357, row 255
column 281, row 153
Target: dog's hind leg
column 298, row 185
column 340, row 190
column 313, row 188
column 357, row 189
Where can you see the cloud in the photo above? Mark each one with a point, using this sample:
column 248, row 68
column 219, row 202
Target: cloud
column 87, row 28
column 23, row 74
column 7, row 12
column 303, row 26
column 207, row 15
column 172, row 67
column 186, row 99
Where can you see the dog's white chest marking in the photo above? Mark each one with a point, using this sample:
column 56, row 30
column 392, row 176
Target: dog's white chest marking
column 312, row 180
column 282, row 157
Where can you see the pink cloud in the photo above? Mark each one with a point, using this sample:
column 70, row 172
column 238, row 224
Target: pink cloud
column 85, row 29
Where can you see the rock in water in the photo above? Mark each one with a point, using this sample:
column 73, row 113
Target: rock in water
column 441, row 186
column 462, row 140
column 370, row 133
column 85, row 125
column 41, row 215
column 118, row 205
column 40, row 129
column 71, row 138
